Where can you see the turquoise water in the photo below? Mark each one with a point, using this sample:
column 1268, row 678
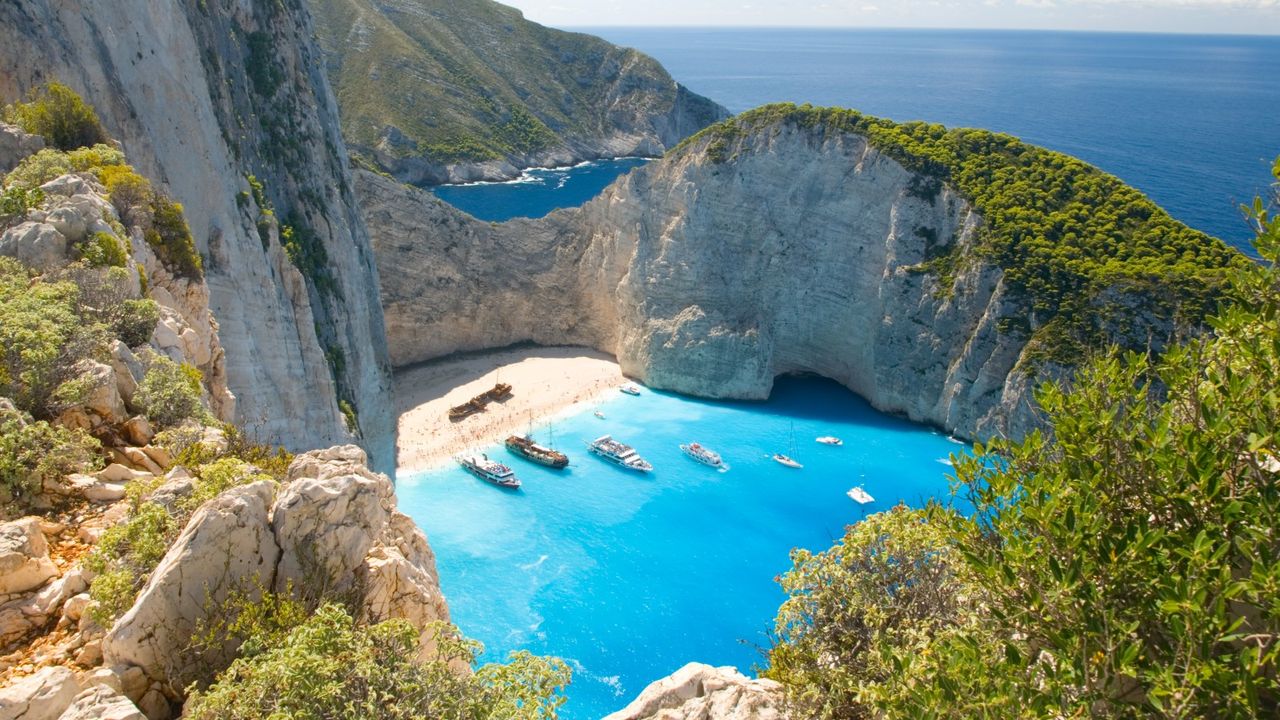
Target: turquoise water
column 630, row 576
column 537, row 192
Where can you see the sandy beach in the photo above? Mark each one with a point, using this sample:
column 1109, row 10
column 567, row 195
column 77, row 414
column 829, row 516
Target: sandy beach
column 545, row 382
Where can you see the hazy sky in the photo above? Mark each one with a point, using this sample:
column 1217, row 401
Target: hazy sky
column 1203, row 16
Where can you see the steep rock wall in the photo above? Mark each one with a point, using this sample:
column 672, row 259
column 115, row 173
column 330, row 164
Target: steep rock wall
column 711, row 278
column 170, row 80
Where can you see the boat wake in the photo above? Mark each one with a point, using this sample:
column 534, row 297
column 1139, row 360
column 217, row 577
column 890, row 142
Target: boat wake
column 535, row 564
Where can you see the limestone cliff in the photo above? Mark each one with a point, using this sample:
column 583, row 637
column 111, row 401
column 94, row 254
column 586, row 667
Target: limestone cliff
column 300, row 321
column 440, row 91
column 702, row 692
column 711, row 279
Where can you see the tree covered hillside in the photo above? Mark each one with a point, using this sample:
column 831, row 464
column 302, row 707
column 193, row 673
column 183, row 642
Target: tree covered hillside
column 472, row 80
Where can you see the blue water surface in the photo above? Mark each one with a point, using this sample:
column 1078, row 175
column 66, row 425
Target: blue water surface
column 538, row 191
column 1192, row 121
column 630, row 576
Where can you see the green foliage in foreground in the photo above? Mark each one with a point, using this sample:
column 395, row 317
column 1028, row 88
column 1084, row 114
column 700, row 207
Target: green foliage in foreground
column 334, row 668
column 58, row 114
column 1125, row 566
column 33, row 451
column 1067, row 235
column 170, row 393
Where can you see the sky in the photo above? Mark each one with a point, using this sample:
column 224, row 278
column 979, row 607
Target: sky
column 1261, row 17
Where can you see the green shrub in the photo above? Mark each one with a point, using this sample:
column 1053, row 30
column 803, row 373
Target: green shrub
column 17, row 200
column 103, row 250
column 43, row 336
column 32, row 452
column 130, row 193
column 58, row 114
column 170, row 393
column 136, row 321
column 92, row 159
column 216, row 478
column 124, row 556
column 171, row 239
column 36, row 170
column 332, row 667
column 350, row 416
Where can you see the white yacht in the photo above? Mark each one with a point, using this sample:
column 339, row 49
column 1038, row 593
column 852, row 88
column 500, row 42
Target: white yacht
column 630, row 389
column 830, row 440
column 860, row 496
column 704, row 455
column 786, row 460
column 618, row 453
column 489, row 471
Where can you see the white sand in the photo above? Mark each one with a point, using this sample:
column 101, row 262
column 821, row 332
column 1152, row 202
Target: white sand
column 545, row 382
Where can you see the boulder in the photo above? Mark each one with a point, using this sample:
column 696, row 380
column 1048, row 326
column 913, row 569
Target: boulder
column 138, row 431
column 96, row 489
column 325, row 525
column 74, row 607
column 24, row 557
column 37, row 245
column 102, row 702
column 16, row 145
column 178, row 485
column 401, row 580
column 117, row 473
column 70, row 222
column 129, row 370
column 70, row 185
column 42, row 696
column 226, row 544
column 702, row 692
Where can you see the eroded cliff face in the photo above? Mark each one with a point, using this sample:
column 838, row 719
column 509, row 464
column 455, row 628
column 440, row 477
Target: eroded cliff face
column 801, row 253
column 170, row 80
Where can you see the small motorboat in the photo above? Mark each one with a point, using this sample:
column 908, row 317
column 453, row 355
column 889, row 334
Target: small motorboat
column 703, row 455
column 785, row 460
column 830, row 440
column 630, row 389
column 598, row 414
column 860, row 496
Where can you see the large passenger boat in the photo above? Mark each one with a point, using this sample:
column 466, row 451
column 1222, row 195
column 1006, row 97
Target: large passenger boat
column 525, row 447
column 702, row 454
column 489, row 471
column 618, row 453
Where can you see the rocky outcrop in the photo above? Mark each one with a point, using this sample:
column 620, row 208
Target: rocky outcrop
column 24, row 557
column 702, row 692
column 44, row 695
column 471, row 90
column 331, row 531
column 802, row 254
column 169, row 80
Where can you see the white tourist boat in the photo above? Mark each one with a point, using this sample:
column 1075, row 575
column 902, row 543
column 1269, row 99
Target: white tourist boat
column 630, row 389
column 489, row 470
column 703, row 455
column 860, row 496
column 830, row 440
column 618, row 453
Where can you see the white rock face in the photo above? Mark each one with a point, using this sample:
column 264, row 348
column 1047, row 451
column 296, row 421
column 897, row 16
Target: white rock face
column 226, row 545
column 42, row 696
column 702, row 692
column 801, row 255
column 15, row 145
column 101, row 702
column 24, row 557
column 168, row 79
column 332, row 529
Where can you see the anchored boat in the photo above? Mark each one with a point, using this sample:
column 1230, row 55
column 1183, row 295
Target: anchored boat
column 525, row 447
column 703, row 455
column 630, row 389
column 860, row 496
column 489, row 471
column 786, row 460
column 830, row 440
column 618, row 453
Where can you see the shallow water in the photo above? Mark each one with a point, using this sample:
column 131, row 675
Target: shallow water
column 629, row 576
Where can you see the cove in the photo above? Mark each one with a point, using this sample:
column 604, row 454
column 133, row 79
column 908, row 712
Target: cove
column 628, row 576
column 537, row 192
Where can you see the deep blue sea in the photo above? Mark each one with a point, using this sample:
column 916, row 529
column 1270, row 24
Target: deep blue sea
column 629, row 576
column 537, row 192
column 1193, row 121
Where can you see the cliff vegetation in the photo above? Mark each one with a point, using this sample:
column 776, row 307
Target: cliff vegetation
column 1073, row 241
column 1124, row 565
column 473, row 81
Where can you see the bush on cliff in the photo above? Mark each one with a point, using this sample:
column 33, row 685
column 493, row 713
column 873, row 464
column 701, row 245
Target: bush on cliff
column 170, row 393
column 33, row 452
column 58, row 114
column 1126, row 565
column 333, row 667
